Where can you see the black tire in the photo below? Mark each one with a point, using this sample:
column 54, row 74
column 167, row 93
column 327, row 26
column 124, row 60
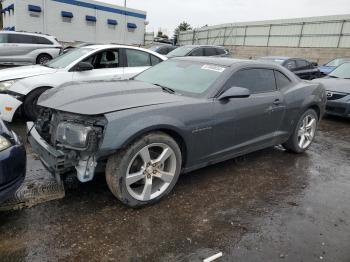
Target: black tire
column 43, row 59
column 117, row 166
column 30, row 108
column 292, row 144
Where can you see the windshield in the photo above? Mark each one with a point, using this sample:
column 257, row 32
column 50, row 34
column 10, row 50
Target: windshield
column 154, row 48
column 336, row 62
column 342, row 71
column 181, row 51
column 65, row 60
column 183, row 77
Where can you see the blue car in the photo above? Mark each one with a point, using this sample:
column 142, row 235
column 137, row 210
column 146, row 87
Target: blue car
column 331, row 65
column 12, row 162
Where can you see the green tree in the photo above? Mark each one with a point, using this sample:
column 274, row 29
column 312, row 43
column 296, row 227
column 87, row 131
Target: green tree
column 184, row 26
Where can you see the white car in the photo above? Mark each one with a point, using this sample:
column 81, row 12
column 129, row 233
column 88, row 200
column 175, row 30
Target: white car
column 21, row 87
column 20, row 48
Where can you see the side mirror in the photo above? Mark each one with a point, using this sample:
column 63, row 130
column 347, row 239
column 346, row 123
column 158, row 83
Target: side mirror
column 314, row 64
column 235, row 92
column 84, row 66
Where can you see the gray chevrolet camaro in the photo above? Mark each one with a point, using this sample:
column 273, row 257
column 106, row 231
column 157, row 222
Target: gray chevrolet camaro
column 178, row 116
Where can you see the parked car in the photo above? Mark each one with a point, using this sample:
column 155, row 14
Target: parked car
column 337, row 85
column 301, row 67
column 181, row 115
column 72, row 47
column 162, row 49
column 199, row 50
column 12, row 162
column 19, row 48
column 331, row 65
column 20, row 87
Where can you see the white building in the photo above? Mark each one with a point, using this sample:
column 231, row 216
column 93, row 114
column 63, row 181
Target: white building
column 76, row 20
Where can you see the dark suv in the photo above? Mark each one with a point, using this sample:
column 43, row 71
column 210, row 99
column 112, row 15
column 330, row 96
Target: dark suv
column 199, row 50
column 299, row 66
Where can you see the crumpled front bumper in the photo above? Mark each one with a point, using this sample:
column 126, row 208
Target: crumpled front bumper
column 8, row 107
column 56, row 161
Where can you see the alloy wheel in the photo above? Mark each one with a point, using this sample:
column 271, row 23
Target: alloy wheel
column 307, row 131
column 151, row 171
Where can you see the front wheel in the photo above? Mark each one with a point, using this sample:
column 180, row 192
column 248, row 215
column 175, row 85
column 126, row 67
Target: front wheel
column 304, row 132
column 30, row 107
column 145, row 171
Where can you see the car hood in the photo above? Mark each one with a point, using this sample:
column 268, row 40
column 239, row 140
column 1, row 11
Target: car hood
column 24, row 71
column 335, row 84
column 95, row 98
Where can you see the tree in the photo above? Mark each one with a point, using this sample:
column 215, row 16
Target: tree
column 184, row 26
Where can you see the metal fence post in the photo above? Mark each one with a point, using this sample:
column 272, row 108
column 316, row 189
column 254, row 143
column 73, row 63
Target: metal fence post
column 301, row 33
column 341, row 33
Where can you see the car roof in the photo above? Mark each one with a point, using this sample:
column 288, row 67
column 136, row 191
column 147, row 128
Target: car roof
column 276, row 57
column 25, row 33
column 223, row 61
column 193, row 46
column 108, row 46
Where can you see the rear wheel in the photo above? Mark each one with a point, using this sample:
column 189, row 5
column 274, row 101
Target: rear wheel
column 43, row 59
column 304, row 132
column 145, row 171
column 30, row 107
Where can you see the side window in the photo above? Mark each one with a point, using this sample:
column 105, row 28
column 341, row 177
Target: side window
column 302, row 64
column 210, row 51
column 3, row 38
column 256, row 80
column 290, row 64
column 220, row 51
column 197, row 52
column 41, row 40
column 104, row 59
column 20, row 39
column 137, row 58
column 281, row 80
column 155, row 60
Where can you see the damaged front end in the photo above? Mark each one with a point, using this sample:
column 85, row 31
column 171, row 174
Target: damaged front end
column 66, row 142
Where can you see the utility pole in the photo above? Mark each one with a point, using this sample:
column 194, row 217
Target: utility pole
column 126, row 23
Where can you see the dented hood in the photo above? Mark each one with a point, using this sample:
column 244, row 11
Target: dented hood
column 95, row 98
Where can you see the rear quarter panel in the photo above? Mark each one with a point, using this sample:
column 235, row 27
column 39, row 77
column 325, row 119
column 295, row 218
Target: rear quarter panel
column 299, row 98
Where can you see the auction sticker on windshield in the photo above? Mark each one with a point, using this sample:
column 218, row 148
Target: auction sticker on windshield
column 214, row 68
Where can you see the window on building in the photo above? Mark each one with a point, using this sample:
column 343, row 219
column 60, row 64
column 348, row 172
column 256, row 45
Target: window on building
column 256, row 80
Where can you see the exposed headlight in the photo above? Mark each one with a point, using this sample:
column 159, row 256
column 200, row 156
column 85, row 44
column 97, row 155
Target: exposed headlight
column 4, row 143
column 73, row 135
column 6, row 85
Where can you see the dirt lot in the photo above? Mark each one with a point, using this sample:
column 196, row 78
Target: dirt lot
column 267, row 206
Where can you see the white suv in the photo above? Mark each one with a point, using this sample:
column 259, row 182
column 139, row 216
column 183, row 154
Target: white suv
column 21, row 87
column 18, row 48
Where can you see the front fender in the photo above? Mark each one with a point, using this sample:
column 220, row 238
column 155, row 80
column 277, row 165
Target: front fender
column 121, row 132
column 27, row 85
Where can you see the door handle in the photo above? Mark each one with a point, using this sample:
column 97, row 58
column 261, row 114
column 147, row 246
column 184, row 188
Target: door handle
column 277, row 102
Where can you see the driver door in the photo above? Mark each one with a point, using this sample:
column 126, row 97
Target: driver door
column 106, row 65
column 243, row 124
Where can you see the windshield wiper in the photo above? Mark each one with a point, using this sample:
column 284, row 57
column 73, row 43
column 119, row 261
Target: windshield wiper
column 166, row 89
column 331, row 76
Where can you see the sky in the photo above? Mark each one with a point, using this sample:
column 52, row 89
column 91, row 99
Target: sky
column 167, row 14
